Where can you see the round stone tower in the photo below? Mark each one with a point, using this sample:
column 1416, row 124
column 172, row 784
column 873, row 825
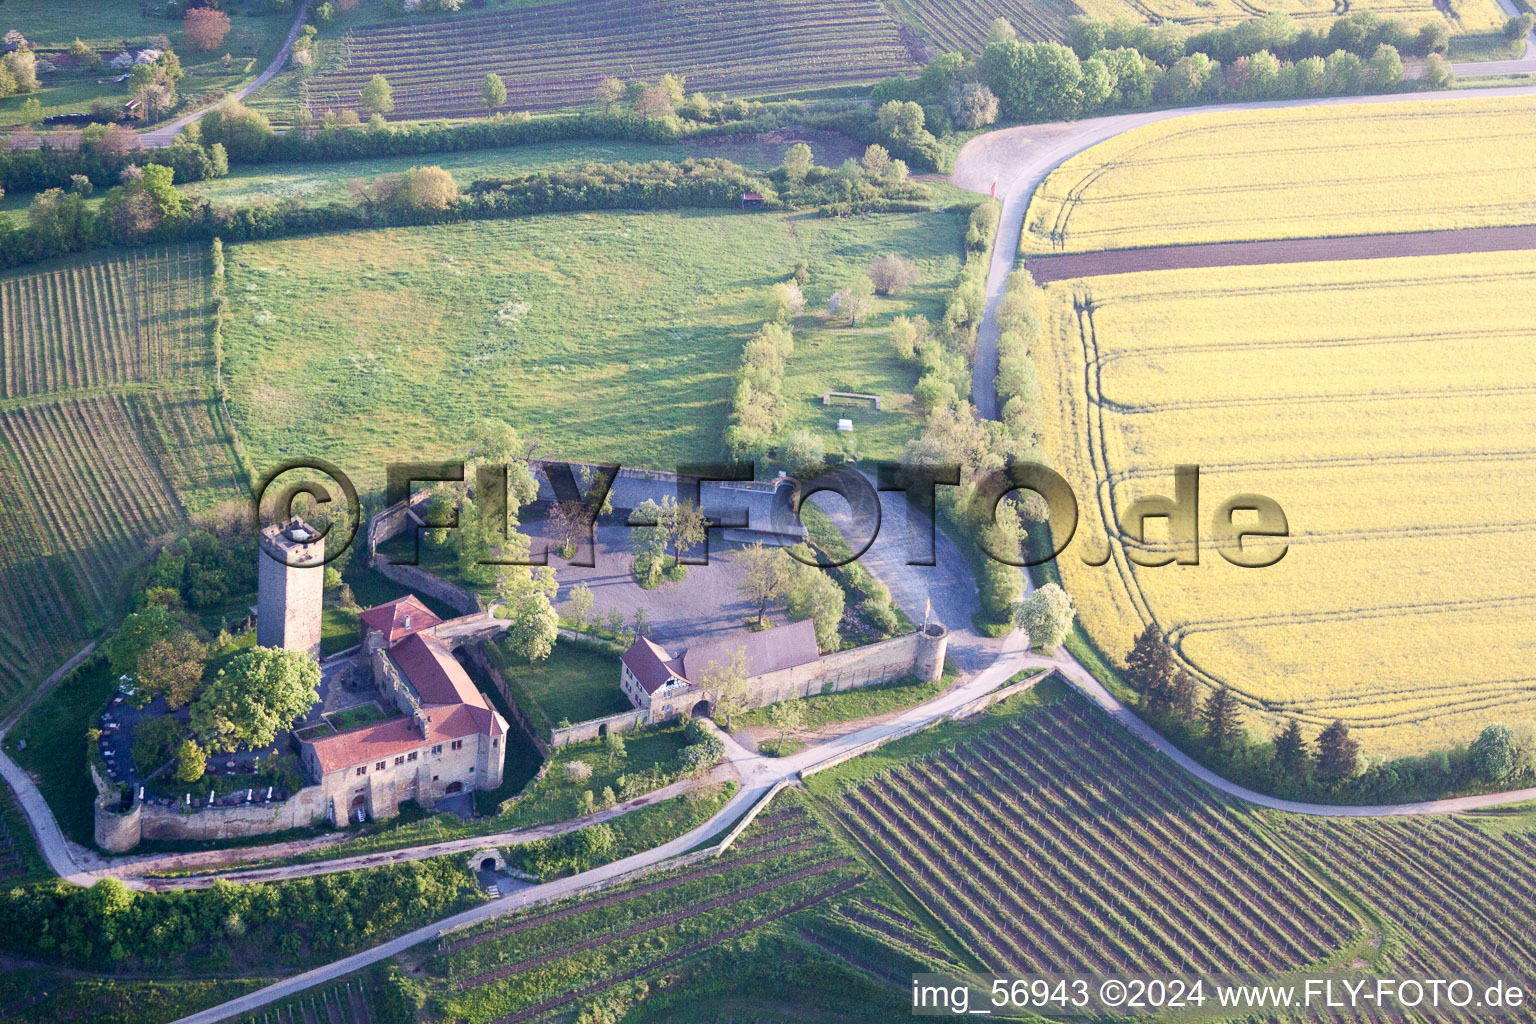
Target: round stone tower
column 117, row 830
column 932, row 644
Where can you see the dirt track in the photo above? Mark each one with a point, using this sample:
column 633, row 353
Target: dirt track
column 1287, row 250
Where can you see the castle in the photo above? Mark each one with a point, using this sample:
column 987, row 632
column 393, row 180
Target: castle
column 447, row 739
column 442, row 737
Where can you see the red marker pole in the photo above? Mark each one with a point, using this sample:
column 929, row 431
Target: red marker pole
column 994, row 187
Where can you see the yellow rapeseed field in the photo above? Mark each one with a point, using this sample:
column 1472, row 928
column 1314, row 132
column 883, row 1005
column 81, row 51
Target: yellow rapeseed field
column 1294, row 173
column 1471, row 16
column 1389, row 406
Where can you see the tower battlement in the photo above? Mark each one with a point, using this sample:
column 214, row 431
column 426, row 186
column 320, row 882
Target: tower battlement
column 290, row 586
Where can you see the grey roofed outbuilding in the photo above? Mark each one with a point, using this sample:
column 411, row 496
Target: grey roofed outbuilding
column 750, row 510
column 771, row 650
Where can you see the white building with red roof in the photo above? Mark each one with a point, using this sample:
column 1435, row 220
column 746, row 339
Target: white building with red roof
column 445, row 738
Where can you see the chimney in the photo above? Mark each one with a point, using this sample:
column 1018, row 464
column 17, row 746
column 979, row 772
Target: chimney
column 407, row 620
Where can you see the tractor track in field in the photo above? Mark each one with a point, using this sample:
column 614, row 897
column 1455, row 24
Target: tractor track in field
column 1064, row 267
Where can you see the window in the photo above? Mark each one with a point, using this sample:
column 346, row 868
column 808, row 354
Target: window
column 458, row 744
column 400, row 759
column 411, row 756
column 379, row 767
column 362, row 769
column 437, row 749
column 495, row 743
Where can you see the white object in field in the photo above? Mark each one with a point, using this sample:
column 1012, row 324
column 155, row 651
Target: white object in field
column 845, row 424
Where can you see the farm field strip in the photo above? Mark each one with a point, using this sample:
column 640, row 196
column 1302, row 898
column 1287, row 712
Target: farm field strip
column 1241, row 176
column 107, row 437
column 964, row 24
column 554, row 55
column 87, row 482
column 1424, row 360
column 1453, row 891
column 1477, row 16
column 582, row 907
column 654, row 922
column 101, row 322
column 545, row 961
column 1142, row 871
column 472, row 962
column 693, row 949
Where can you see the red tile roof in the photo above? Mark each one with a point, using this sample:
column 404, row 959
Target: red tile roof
column 651, row 664
column 385, row 740
column 390, row 619
column 434, row 673
column 451, row 704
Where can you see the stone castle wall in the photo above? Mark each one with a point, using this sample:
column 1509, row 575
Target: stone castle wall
column 119, row 831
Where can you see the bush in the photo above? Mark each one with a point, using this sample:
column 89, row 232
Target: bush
column 802, row 454
column 890, row 274
column 1493, row 753
column 205, row 28
column 972, row 104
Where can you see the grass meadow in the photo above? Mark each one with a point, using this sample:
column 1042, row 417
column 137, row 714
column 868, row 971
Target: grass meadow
column 609, row 336
column 574, row 683
column 1385, row 406
column 1243, row 175
column 319, row 183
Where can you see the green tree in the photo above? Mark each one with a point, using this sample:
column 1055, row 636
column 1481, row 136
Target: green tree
column 725, row 685
column 1150, row 667
column 765, row 575
column 1222, row 717
column 900, row 119
column 494, row 91
column 797, row 162
column 786, row 716
column 1493, row 753
column 803, row 454
column 244, row 132
column 138, row 632
column 816, row 596
column 173, row 667
column 191, row 762
column 1338, row 754
column 376, row 97
column 1385, row 68
column 785, row 300
column 855, row 301
column 1438, row 72
column 614, row 744
column 580, row 603
column 529, row 594
column 261, row 691
column 686, row 525
column 154, row 743
column 1046, row 616
column 649, row 543
column 1292, row 759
